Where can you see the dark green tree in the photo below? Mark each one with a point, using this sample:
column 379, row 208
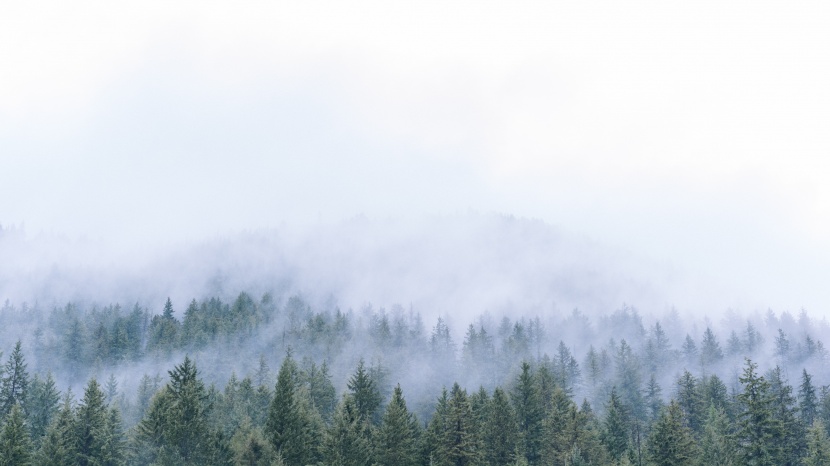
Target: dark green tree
column 616, row 427
column 15, row 444
column 529, row 409
column 346, row 442
column 717, row 446
column 757, row 428
column 58, row 445
column 818, row 445
column 501, row 432
column 807, row 401
column 42, row 404
column 90, row 426
column 366, row 394
column 290, row 426
column 397, row 437
column 15, row 381
column 459, row 443
column 671, row 443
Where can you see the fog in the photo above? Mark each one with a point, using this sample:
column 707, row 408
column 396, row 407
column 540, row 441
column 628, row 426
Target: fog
column 579, row 171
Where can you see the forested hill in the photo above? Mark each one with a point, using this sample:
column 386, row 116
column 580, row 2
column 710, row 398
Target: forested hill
column 280, row 381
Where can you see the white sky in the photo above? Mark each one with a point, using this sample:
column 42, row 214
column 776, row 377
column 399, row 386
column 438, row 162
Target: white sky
column 695, row 132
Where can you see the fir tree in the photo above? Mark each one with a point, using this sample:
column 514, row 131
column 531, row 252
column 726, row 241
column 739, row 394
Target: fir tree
column 807, row 402
column 671, row 443
column 818, row 445
column 458, row 446
column 717, row 447
column 15, row 381
column 41, row 405
column 501, row 433
column 366, row 394
column 90, row 426
column 615, row 432
column 398, row 434
column 529, row 414
column 757, row 427
column 15, row 444
column 346, row 442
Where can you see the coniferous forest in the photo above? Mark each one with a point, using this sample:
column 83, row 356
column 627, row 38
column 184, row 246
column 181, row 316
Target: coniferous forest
column 276, row 380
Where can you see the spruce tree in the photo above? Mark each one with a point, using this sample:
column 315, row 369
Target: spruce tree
column 15, row 381
column 757, row 428
column 528, row 405
column 501, row 432
column 15, row 444
column 671, row 443
column 807, row 402
column 90, row 426
column 717, row 446
column 397, row 437
column 346, row 442
column 459, row 444
column 58, row 445
column 290, row 426
column 42, row 404
column 366, row 394
column 818, row 445
column 615, row 431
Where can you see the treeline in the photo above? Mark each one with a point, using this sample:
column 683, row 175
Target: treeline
column 301, row 421
column 559, row 390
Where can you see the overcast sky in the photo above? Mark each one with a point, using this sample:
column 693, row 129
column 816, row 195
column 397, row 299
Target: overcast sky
column 692, row 132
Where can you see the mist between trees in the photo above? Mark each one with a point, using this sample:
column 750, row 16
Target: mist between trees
column 276, row 379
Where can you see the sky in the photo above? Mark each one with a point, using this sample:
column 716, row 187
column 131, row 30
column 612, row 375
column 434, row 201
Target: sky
column 693, row 133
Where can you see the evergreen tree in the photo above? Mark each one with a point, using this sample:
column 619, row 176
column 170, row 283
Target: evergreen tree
column 346, row 442
column 459, row 445
column 14, row 383
column 690, row 401
column 615, row 432
column 398, row 434
column 290, row 426
column 250, row 448
column 115, row 445
column 90, row 426
column 757, row 428
column 818, row 445
column 790, row 439
column 529, row 414
column 654, row 399
column 41, row 405
column 807, row 402
column 366, row 394
column 710, row 350
column 15, row 444
column 501, row 432
column 717, row 447
column 58, row 445
column 671, row 443
column 321, row 390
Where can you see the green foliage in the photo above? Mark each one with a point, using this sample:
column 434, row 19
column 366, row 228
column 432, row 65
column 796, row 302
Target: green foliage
column 527, row 403
column 757, row 428
column 347, row 441
column 14, row 382
column 818, row 445
column 671, row 443
column 397, row 437
column 15, row 444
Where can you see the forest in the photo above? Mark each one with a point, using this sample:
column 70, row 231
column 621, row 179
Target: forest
column 277, row 380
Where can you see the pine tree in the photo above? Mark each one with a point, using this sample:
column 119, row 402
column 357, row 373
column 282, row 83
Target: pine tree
column 757, row 427
column 321, row 390
column 501, row 432
column 250, row 448
column 690, row 401
column 90, row 426
column 346, row 442
column 366, row 394
column 15, row 444
column 790, row 439
column 290, row 426
column 113, row 452
column 710, row 350
column 15, row 381
column 458, row 446
column 671, row 443
column 398, row 434
column 717, row 447
column 58, row 445
column 41, row 405
column 615, row 432
column 529, row 414
column 807, row 402
column 818, row 445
